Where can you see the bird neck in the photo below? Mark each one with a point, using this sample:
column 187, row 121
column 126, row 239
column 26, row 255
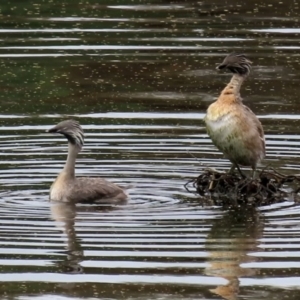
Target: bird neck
column 234, row 86
column 69, row 168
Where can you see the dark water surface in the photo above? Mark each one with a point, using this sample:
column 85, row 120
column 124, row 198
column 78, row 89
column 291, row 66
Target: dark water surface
column 139, row 76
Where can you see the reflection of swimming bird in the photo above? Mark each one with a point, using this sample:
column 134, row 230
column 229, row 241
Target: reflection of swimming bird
column 64, row 214
column 67, row 187
column 232, row 126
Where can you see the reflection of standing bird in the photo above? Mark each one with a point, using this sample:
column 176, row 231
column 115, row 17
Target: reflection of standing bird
column 67, row 187
column 232, row 126
column 229, row 242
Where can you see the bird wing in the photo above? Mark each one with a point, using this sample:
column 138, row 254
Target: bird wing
column 258, row 127
column 95, row 190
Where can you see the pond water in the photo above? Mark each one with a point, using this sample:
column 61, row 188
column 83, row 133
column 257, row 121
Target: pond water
column 139, row 76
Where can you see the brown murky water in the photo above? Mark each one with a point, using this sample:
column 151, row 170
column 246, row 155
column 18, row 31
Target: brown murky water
column 139, row 77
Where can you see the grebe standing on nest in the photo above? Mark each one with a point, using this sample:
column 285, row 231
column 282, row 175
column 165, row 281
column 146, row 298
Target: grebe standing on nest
column 233, row 127
column 67, row 187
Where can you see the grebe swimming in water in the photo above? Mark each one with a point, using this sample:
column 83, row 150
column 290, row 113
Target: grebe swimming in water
column 67, row 187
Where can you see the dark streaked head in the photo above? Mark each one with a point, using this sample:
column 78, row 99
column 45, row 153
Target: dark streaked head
column 72, row 130
column 237, row 64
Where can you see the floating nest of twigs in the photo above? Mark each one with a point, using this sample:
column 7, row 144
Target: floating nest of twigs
column 269, row 187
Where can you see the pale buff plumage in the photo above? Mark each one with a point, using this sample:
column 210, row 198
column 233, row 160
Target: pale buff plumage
column 67, row 187
column 233, row 127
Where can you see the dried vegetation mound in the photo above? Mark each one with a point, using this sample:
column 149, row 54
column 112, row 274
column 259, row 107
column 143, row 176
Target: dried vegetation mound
column 269, row 187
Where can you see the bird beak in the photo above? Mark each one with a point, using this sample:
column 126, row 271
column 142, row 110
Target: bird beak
column 52, row 130
column 221, row 66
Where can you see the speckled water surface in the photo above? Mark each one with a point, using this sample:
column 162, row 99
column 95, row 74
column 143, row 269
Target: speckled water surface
column 139, row 76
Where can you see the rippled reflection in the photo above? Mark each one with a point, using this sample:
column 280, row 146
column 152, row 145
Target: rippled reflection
column 230, row 240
